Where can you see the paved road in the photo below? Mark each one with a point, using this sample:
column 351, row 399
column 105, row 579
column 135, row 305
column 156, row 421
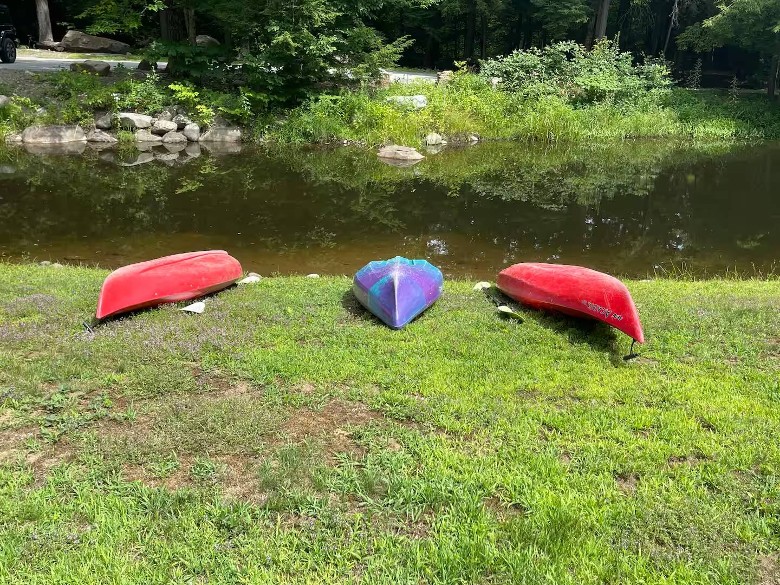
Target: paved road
column 24, row 63
column 37, row 64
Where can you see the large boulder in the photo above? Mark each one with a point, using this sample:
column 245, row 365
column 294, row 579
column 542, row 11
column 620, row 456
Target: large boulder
column 53, row 135
column 174, row 138
column 147, row 137
column 434, row 139
column 221, row 134
column 146, row 65
column 104, row 121
column 181, row 121
column 100, row 68
column 192, row 132
column 162, row 127
column 4, row 101
column 78, row 41
column 405, row 153
column 50, row 45
column 417, row 102
column 100, row 136
column 134, row 121
column 206, row 41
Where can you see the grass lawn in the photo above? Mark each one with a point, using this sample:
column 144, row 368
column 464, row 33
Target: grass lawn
column 284, row 436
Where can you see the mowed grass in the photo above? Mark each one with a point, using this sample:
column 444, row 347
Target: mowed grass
column 285, row 436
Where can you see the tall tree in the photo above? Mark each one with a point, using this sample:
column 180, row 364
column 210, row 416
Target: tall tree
column 44, row 21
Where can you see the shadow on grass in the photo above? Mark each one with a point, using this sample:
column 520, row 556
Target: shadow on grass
column 598, row 335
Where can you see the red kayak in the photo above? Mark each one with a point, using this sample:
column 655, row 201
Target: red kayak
column 575, row 291
column 180, row 277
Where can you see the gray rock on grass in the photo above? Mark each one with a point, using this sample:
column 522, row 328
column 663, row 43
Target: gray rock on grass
column 100, row 68
column 417, row 102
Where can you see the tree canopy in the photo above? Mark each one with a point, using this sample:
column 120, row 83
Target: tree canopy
column 289, row 47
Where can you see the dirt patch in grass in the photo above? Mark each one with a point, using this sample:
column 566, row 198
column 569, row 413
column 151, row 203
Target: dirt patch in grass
column 690, row 459
column 504, row 510
column 769, row 570
column 627, row 483
column 329, row 426
column 12, row 442
column 43, row 461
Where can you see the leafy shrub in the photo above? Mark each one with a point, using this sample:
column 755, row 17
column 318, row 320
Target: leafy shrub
column 142, row 96
column 577, row 75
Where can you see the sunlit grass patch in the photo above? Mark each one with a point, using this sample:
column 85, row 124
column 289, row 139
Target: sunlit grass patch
column 285, row 436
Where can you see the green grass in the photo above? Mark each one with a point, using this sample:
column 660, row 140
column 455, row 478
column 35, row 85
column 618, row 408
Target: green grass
column 470, row 106
column 284, row 436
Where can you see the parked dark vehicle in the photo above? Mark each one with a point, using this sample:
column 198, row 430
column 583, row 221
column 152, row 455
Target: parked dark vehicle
column 8, row 38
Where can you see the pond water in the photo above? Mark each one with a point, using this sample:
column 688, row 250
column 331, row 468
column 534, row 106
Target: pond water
column 632, row 209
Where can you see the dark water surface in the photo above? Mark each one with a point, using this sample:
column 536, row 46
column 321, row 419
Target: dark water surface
column 631, row 209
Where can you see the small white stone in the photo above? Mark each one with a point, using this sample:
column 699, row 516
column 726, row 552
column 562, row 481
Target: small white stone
column 482, row 285
column 198, row 307
column 250, row 279
column 312, row 276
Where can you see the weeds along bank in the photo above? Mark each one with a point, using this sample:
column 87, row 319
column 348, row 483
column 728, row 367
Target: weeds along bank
column 560, row 93
column 283, row 432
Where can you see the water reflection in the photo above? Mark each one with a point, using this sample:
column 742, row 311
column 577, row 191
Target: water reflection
column 623, row 208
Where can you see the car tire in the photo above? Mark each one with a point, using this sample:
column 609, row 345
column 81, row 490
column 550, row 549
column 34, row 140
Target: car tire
column 7, row 51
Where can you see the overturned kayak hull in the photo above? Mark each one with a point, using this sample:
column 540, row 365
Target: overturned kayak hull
column 171, row 279
column 398, row 290
column 575, row 291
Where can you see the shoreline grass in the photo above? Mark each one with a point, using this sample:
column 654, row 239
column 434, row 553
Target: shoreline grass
column 468, row 106
column 285, row 436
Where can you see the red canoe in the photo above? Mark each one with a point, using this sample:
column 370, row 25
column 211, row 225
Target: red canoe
column 575, row 291
column 180, row 277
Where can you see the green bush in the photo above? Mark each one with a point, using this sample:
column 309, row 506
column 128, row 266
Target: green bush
column 569, row 71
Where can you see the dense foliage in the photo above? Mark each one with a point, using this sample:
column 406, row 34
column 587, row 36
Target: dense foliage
column 289, row 50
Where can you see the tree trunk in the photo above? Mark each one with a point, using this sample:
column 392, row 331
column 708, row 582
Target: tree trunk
column 483, row 48
column 602, row 16
column 673, row 19
column 774, row 71
column 189, row 23
column 622, row 17
column 590, row 32
column 44, row 21
column 471, row 29
column 660, row 21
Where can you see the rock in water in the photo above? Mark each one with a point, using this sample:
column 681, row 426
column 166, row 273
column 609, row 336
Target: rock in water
column 221, row 134
column 192, row 132
column 78, row 41
column 100, row 68
column 434, row 139
column 415, row 101
column 162, row 127
column 104, row 121
column 134, row 121
column 405, row 153
column 147, row 137
column 100, row 136
column 53, row 135
column 141, row 159
column 174, row 138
